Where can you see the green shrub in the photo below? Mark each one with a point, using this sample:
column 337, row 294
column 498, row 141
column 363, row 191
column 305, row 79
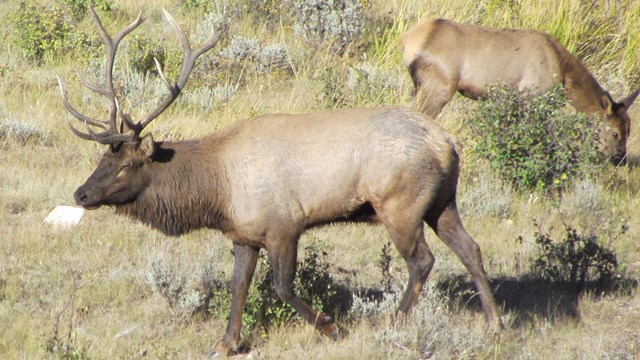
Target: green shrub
column 38, row 30
column 79, row 8
column 577, row 260
column 384, row 262
column 313, row 284
column 141, row 51
column 198, row 288
column 532, row 142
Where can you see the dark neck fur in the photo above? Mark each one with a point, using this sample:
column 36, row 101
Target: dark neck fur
column 183, row 193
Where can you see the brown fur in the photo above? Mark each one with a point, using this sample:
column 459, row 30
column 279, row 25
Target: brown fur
column 445, row 57
column 265, row 180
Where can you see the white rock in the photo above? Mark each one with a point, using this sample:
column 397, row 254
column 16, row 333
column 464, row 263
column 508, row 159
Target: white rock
column 65, row 216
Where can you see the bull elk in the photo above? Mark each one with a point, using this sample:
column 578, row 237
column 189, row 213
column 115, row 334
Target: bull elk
column 445, row 57
column 265, row 180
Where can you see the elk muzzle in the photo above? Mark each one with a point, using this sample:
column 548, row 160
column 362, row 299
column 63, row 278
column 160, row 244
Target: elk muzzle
column 87, row 198
column 619, row 160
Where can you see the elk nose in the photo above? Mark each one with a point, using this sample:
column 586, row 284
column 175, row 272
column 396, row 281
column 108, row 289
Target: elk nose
column 81, row 196
column 620, row 160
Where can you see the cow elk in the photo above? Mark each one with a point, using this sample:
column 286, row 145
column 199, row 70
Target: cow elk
column 265, row 180
column 445, row 57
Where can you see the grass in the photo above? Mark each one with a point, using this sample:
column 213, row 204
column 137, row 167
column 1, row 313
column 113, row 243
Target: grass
column 91, row 283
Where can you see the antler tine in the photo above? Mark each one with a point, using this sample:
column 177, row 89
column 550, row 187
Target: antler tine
column 112, row 45
column 134, row 129
column 83, row 118
column 110, row 135
column 190, row 57
column 107, row 137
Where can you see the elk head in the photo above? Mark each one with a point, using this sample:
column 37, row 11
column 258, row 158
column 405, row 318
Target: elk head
column 616, row 127
column 123, row 170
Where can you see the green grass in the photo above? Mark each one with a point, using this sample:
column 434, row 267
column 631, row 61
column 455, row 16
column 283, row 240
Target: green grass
column 90, row 281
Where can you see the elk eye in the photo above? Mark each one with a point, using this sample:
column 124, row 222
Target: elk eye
column 615, row 135
column 124, row 167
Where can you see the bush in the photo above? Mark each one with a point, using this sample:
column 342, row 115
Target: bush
column 39, row 30
column 577, row 260
column 189, row 286
column 532, row 142
column 23, row 133
column 194, row 287
column 334, row 92
column 313, row 284
column 141, row 51
column 247, row 53
column 338, row 22
column 79, row 8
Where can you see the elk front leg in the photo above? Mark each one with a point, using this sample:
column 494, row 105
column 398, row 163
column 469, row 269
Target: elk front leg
column 244, row 266
column 282, row 255
column 433, row 87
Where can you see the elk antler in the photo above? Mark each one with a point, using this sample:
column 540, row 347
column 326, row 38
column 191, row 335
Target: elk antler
column 111, row 135
column 190, row 57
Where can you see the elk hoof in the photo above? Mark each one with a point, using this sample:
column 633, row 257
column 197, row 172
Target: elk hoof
column 223, row 350
column 335, row 333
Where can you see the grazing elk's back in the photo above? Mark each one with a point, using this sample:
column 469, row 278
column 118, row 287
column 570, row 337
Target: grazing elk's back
column 445, row 57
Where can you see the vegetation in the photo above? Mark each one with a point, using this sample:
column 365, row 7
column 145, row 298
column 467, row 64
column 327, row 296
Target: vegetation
column 531, row 141
column 112, row 288
column 313, row 284
column 579, row 260
column 39, row 30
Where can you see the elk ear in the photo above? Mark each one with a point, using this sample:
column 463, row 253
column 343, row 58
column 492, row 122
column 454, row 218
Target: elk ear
column 148, row 147
column 606, row 104
column 629, row 99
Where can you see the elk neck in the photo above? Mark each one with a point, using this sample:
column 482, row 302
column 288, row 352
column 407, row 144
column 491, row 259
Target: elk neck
column 582, row 89
column 185, row 191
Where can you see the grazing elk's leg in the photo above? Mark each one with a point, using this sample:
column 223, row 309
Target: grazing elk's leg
column 407, row 235
column 244, row 266
column 448, row 226
column 282, row 255
column 433, row 87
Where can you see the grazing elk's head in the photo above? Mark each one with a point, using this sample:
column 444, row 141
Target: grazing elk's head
column 616, row 127
column 123, row 170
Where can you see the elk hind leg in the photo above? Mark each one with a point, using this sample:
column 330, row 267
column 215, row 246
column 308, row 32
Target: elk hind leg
column 448, row 226
column 408, row 238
